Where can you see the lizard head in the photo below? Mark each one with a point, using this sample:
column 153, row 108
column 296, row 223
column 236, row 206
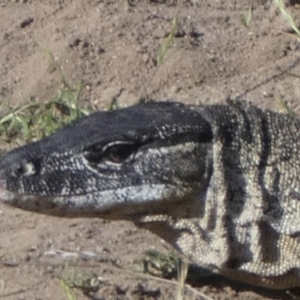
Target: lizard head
column 111, row 164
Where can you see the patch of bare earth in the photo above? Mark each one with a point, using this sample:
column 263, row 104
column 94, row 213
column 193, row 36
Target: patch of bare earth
column 111, row 47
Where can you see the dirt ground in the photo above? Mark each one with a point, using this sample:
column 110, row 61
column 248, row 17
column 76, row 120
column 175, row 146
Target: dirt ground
column 111, row 47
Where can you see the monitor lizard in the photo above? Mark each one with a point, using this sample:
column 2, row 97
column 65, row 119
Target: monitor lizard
column 220, row 183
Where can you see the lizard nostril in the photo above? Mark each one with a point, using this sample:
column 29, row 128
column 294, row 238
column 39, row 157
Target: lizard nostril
column 24, row 168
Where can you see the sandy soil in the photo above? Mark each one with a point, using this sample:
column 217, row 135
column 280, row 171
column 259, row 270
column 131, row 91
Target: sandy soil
column 110, row 46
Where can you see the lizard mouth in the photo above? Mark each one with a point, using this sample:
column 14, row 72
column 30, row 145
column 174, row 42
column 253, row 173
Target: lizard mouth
column 110, row 204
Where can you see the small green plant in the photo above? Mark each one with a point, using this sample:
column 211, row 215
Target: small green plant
column 68, row 290
column 287, row 109
column 161, row 265
column 247, row 18
column 36, row 120
column 287, row 15
column 280, row 4
column 77, row 279
column 161, row 55
column 182, row 276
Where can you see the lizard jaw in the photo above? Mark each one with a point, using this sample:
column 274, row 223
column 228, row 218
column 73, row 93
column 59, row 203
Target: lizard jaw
column 96, row 204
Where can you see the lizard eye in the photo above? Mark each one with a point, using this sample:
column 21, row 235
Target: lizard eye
column 118, row 153
column 115, row 152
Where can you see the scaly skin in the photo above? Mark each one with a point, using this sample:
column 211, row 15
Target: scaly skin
column 220, row 183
